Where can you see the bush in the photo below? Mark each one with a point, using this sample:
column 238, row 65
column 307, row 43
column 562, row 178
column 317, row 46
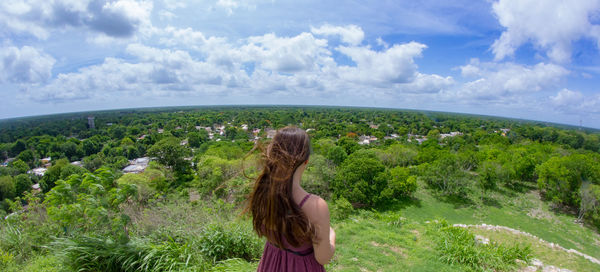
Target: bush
column 88, row 253
column 446, row 176
column 317, row 176
column 341, row 209
column 5, row 259
column 361, row 179
column 400, row 184
column 225, row 241
column 459, row 246
column 561, row 177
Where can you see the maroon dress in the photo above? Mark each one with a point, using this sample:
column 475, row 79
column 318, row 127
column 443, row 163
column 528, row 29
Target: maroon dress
column 290, row 259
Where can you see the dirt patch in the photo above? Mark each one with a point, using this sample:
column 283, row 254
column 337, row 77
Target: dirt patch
column 539, row 213
column 394, row 249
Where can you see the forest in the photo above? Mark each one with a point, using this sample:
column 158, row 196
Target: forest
column 164, row 189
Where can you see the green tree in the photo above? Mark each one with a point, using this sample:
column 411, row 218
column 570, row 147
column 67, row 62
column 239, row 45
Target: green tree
column 7, row 188
column 169, row 152
column 22, row 184
column 28, row 157
column 349, row 144
column 195, row 139
column 446, row 176
column 20, row 166
column 360, row 179
column 336, row 154
column 400, row 183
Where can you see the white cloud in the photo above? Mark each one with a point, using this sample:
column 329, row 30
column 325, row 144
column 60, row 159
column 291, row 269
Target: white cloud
column 502, row 81
column 287, row 54
column 575, row 102
column 121, row 18
column 551, row 25
column 25, row 65
column 350, row 34
column 196, row 64
column 393, row 65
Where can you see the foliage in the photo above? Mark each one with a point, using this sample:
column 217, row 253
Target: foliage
column 336, row 154
column 89, row 253
column 459, row 246
column 22, row 184
column 90, row 203
column 560, row 177
column 348, row 144
column 7, row 188
column 225, row 241
column 317, row 176
column 447, row 177
column 341, row 209
column 171, row 153
column 400, row 183
column 213, row 172
column 360, row 179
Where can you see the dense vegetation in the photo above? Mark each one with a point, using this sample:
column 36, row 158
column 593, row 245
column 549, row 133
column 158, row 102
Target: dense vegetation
column 183, row 211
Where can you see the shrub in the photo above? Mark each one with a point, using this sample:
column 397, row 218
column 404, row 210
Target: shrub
column 341, row 209
column 561, row 177
column 5, row 259
column 360, row 179
column 400, row 184
column 446, row 176
column 88, row 253
column 317, row 176
column 458, row 246
column 336, row 154
column 225, row 241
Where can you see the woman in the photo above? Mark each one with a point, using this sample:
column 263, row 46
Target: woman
column 295, row 223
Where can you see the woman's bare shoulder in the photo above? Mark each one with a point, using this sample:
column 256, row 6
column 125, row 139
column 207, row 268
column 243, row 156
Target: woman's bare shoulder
column 316, row 209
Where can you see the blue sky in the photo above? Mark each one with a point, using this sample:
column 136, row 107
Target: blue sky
column 527, row 59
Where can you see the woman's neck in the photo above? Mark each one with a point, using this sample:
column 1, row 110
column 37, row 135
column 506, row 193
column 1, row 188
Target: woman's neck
column 297, row 190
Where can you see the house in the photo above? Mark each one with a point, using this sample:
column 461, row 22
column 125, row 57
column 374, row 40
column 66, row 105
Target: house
column 36, row 188
column 256, row 131
column 208, row 129
column 38, row 171
column 137, row 166
column 364, row 140
column 451, row 134
column 244, row 126
column 374, row 126
column 46, row 160
column 77, row 163
column 184, row 142
column 160, row 130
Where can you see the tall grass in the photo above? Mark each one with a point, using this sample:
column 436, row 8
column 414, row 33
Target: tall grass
column 87, row 253
column 458, row 246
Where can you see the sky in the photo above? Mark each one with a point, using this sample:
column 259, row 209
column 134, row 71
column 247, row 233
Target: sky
column 529, row 59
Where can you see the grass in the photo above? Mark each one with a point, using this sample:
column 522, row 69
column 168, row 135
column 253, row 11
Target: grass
column 541, row 251
column 525, row 212
column 393, row 238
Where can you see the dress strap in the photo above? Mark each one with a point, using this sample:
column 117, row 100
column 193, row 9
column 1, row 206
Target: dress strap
column 303, row 200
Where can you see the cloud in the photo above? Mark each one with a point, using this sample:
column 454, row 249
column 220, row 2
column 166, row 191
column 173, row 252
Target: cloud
column 120, row 19
column 551, row 26
column 269, row 65
column 575, row 102
column 350, row 34
column 286, row 54
column 25, row 65
column 393, row 65
column 505, row 81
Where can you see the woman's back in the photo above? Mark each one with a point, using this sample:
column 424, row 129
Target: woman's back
column 301, row 258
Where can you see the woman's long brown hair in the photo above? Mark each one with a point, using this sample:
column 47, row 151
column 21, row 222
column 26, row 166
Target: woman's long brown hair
column 274, row 212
